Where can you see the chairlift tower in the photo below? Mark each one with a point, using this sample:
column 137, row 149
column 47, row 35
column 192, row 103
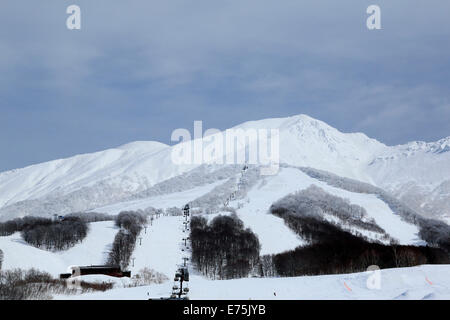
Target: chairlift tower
column 181, row 276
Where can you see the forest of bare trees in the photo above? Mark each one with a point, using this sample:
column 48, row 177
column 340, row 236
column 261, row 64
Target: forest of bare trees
column 89, row 217
column 56, row 236
column 46, row 233
column 223, row 249
column 19, row 224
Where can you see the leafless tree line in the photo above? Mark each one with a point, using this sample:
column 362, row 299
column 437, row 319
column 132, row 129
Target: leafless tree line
column 46, row 233
column 223, row 249
column 20, row 284
column 130, row 224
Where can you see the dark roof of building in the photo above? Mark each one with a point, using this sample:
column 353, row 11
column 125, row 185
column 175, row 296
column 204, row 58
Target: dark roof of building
column 97, row 267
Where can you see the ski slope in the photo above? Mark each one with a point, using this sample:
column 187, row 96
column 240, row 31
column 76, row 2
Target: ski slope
column 275, row 237
column 273, row 234
column 428, row 282
column 92, row 251
column 160, row 248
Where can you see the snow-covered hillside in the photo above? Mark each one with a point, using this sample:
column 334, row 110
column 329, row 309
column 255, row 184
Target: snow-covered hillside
column 66, row 175
column 92, row 251
column 417, row 172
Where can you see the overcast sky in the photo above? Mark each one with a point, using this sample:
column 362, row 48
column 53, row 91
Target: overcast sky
column 139, row 69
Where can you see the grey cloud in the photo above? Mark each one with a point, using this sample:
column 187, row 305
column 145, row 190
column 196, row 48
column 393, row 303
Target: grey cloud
column 139, row 69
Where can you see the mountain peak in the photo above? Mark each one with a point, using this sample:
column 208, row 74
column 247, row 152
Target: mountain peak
column 142, row 145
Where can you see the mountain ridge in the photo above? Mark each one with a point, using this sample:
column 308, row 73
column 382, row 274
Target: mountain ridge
column 304, row 141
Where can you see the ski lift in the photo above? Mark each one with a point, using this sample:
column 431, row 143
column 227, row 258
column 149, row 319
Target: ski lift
column 175, row 287
column 186, row 209
column 186, row 290
column 184, row 273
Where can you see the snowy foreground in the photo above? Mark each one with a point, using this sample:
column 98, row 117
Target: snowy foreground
column 422, row 282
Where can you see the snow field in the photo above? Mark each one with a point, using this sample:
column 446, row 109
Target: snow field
column 415, row 283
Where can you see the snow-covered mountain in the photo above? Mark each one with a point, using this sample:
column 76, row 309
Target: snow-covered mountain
column 337, row 179
column 418, row 172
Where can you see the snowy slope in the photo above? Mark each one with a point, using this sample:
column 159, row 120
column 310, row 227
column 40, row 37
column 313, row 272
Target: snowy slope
column 428, row 282
column 160, row 246
column 176, row 199
column 132, row 166
column 274, row 236
column 92, row 251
